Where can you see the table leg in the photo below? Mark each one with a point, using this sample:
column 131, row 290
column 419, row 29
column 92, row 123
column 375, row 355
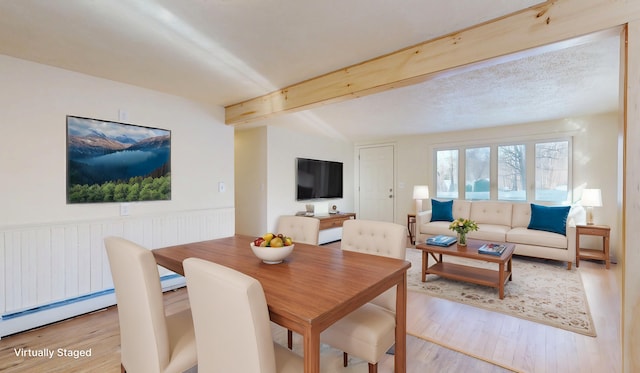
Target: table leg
column 311, row 351
column 400, row 358
column 509, row 268
column 425, row 263
column 501, row 281
column 577, row 249
column 607, row 259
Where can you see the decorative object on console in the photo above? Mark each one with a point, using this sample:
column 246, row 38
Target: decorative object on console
column 333, row 210
column 310, row 209
column 462, row 227
column 420, row 193
column 591, row 198
column 441, row 210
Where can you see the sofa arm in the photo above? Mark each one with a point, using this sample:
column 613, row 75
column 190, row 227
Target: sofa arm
column 423, row 217
column 571, row 241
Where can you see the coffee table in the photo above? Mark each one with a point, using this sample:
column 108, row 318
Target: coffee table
column 475, row 275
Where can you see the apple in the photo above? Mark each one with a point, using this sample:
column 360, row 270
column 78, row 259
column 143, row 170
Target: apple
column 258, row 241
column 288, row 241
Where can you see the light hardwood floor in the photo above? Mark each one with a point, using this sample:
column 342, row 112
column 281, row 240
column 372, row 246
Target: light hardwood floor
column 512, row 343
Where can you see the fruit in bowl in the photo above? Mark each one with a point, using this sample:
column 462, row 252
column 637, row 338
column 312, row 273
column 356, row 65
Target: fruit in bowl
column 272, row 248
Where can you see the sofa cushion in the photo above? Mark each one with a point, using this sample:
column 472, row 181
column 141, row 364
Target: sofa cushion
column 491, row 212
column 549, row 218
column 441, row 210
column 490, row 232
column 461, row 209
column 521, row 214
column 521, row 235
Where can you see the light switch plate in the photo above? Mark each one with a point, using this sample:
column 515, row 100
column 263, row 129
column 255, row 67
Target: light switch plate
column 125, row 209
column 221, row 187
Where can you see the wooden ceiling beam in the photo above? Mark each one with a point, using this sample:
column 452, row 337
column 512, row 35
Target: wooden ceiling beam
column 541, row 25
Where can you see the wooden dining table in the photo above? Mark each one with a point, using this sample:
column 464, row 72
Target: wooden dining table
column 311, row 289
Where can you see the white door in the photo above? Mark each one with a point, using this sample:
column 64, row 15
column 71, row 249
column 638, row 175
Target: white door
column 376, row 181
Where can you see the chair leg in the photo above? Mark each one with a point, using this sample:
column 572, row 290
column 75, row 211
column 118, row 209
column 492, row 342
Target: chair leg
column 289, row 339
column 373, row 368
column 345, row 359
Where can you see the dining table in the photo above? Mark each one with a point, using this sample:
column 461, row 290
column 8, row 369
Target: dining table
column 313, row 287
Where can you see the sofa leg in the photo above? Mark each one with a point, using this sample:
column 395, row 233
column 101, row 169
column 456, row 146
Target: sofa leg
column 568, row 266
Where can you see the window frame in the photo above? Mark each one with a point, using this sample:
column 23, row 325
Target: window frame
column 530, row 164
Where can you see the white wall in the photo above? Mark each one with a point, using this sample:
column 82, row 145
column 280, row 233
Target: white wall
column 251, row 181
column 35, row 100
column 277, row 148
column 52, row 251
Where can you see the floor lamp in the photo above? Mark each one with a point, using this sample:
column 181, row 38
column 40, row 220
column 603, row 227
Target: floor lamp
column 420, row 193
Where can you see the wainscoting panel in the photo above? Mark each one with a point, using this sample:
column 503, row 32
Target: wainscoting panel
column 52, row 272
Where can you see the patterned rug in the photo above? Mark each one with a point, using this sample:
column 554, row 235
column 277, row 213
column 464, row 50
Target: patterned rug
column 541, row 291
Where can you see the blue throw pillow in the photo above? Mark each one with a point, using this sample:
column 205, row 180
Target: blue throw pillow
column 549, row 218
column 441, row 210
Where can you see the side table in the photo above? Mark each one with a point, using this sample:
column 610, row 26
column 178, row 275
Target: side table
column 603, row 231
column 411, row 226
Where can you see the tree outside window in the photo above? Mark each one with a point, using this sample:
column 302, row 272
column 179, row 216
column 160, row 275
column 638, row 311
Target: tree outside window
column 512, row 172
column 552, row 171
column 478, row 173
column 447, row 173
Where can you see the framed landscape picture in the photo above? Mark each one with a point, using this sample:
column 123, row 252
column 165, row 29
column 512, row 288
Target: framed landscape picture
column 116, row 162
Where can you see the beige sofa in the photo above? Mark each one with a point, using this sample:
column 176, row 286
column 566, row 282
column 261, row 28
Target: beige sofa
column 507, row 222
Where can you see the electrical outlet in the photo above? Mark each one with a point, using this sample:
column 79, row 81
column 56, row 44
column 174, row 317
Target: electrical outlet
column 125, row 209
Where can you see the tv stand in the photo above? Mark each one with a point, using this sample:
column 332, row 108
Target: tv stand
column 334, row 220
column 331, row 226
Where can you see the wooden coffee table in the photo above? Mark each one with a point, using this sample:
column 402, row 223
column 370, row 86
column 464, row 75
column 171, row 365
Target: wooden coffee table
column 480, row 276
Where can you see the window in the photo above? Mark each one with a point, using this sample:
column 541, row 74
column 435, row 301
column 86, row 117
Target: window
column 447, row 173
column 512, row 173
column 552, row 171
column 527, row 171
column 477, row 173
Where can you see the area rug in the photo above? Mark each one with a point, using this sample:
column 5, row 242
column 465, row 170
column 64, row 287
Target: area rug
column 541, row 291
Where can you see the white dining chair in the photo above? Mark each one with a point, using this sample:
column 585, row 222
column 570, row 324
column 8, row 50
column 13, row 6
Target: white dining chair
column 150, row 341
column 233, row 330
column 369, row 331
column 302, row 229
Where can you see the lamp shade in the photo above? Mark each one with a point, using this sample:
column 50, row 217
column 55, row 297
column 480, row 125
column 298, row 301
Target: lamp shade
column 420, row 192
column 591, row 198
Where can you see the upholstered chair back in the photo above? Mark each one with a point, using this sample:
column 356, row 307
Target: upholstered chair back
column 233, row 331
column 144, row 335
column 300, row 228
column 377, row 238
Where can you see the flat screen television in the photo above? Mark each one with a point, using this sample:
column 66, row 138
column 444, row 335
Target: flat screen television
column 317, row 179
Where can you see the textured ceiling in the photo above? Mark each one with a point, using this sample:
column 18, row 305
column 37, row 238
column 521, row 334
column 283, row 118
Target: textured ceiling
column 221, row 52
